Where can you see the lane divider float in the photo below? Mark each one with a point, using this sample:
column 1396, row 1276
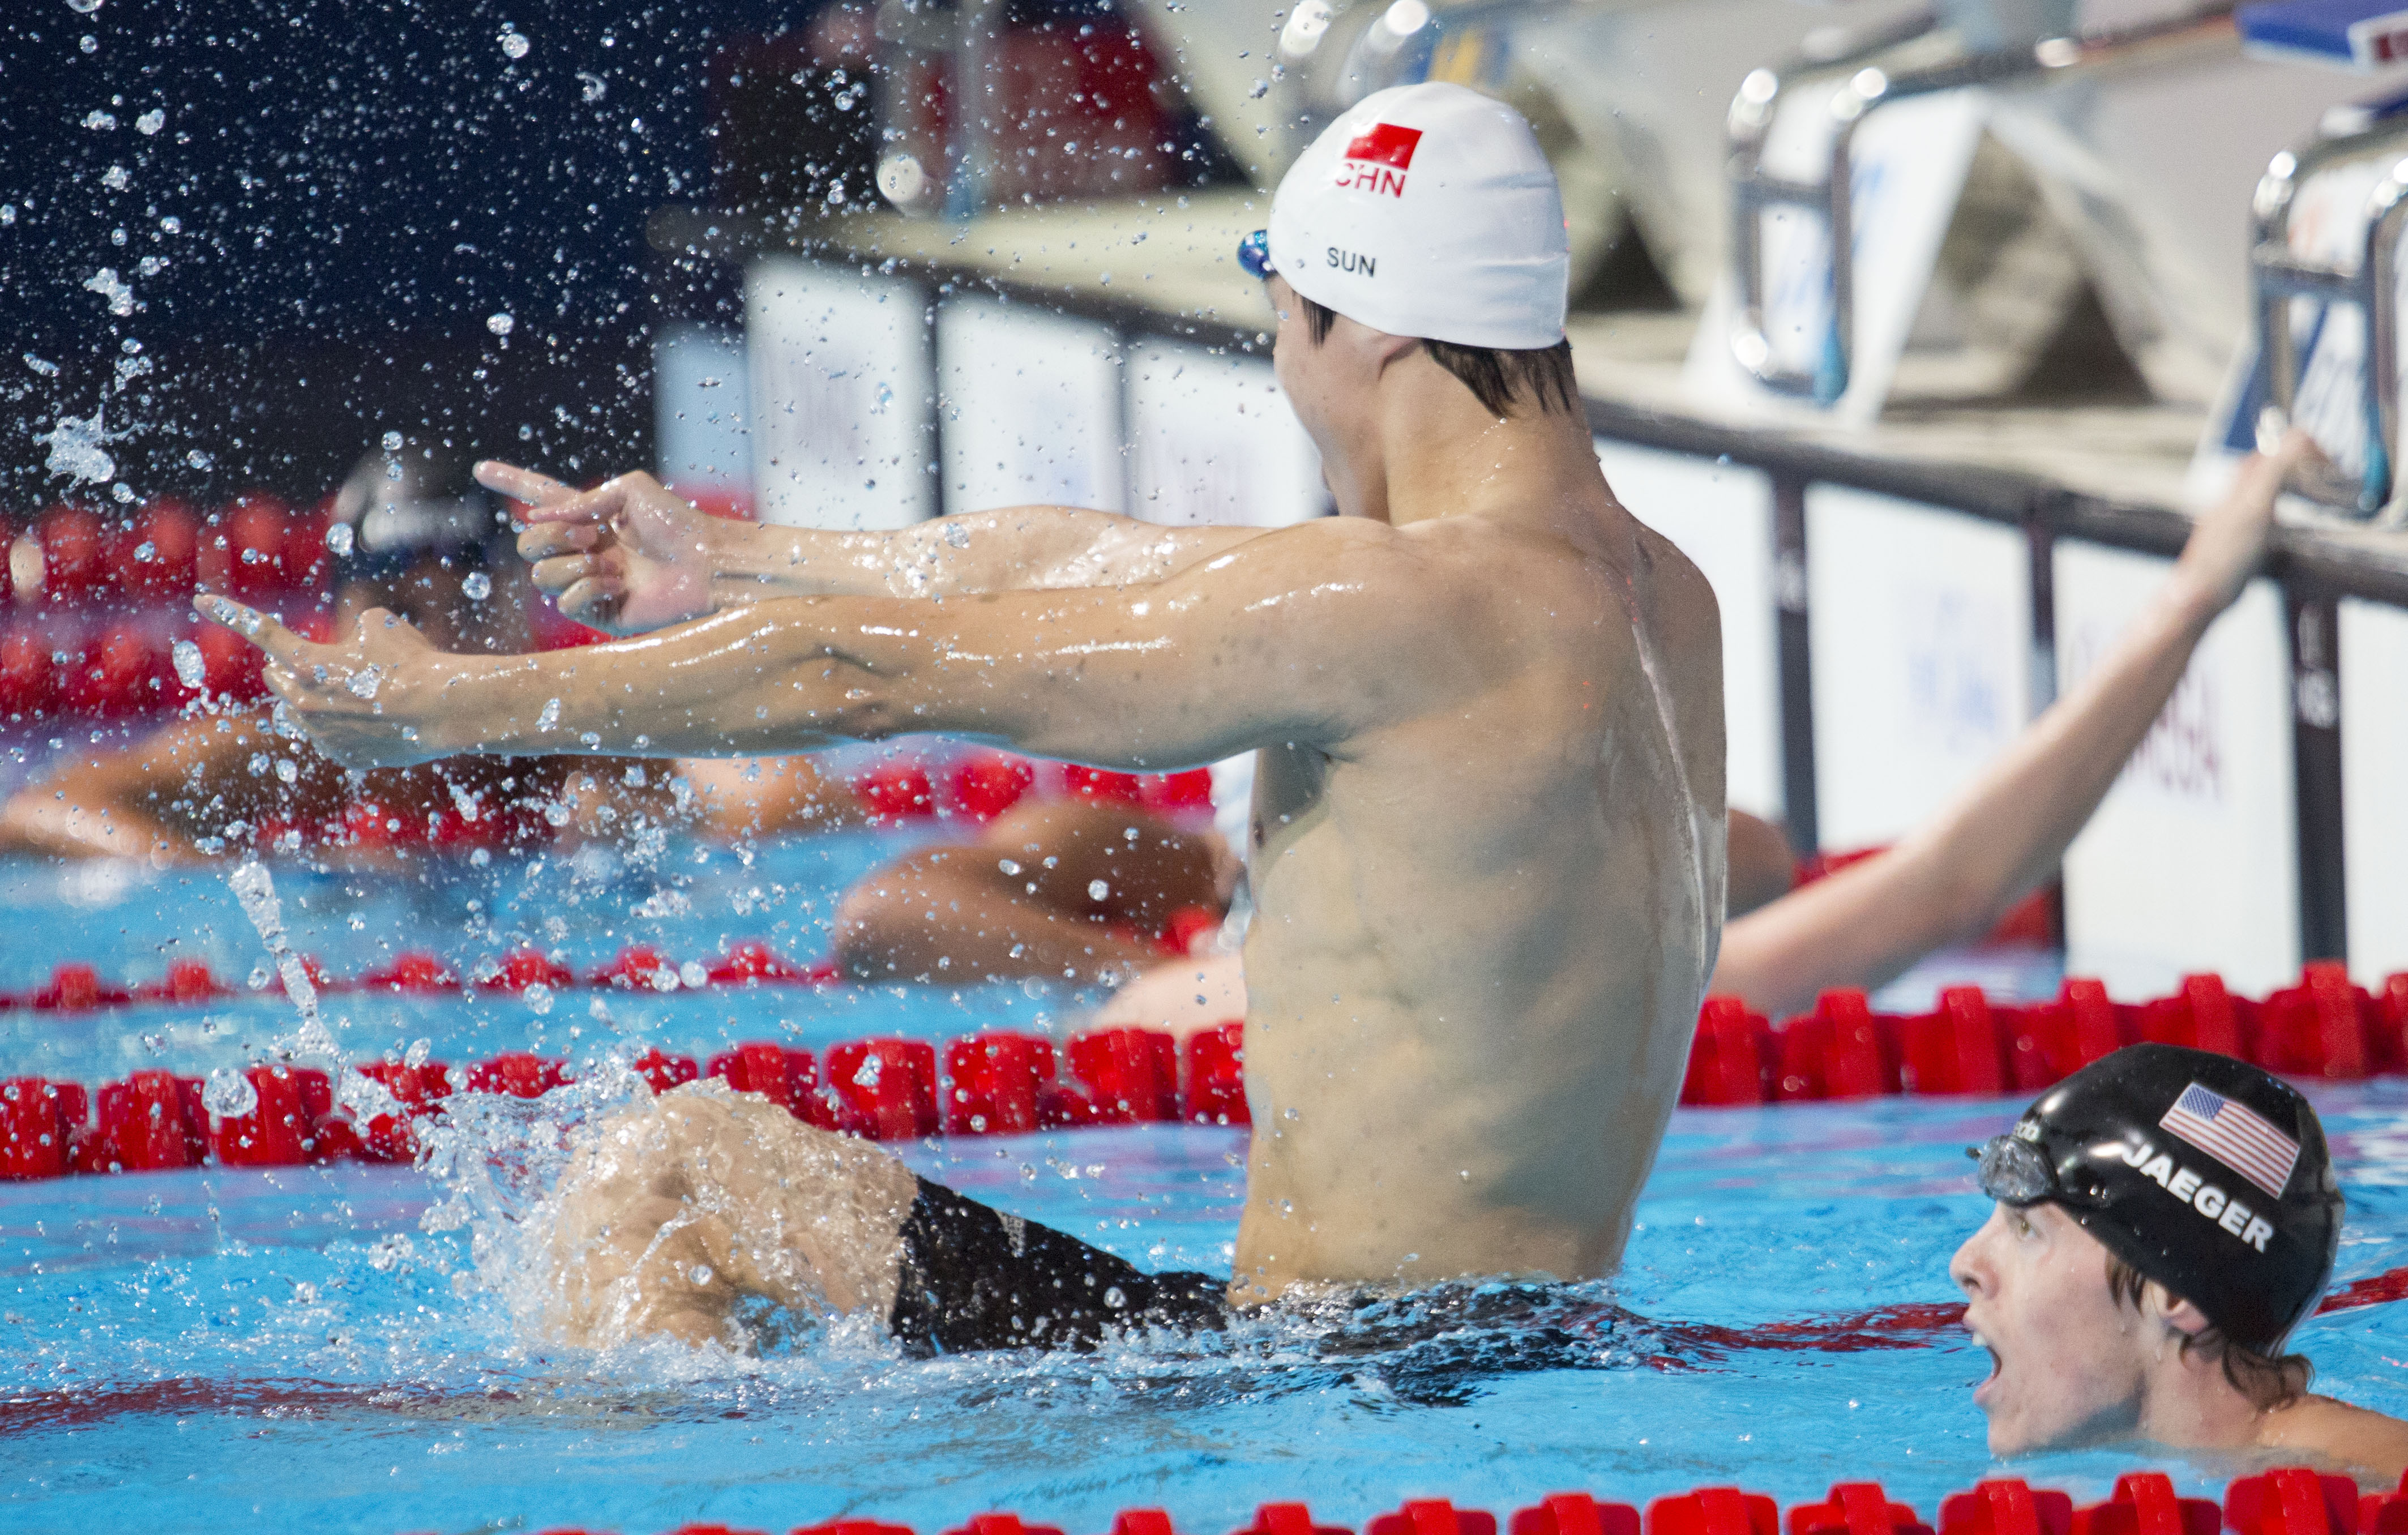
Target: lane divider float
column 2290, row 1501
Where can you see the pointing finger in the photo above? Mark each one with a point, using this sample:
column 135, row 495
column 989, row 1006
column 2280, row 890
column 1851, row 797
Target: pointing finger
column 536, row 490
column 281, row 643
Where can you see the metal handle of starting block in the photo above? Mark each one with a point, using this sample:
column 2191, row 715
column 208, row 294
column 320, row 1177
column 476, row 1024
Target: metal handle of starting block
column 2277, row 276
column 1866, row 88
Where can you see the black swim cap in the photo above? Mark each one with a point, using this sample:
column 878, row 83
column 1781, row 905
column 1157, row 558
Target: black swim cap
column 2204, row 1172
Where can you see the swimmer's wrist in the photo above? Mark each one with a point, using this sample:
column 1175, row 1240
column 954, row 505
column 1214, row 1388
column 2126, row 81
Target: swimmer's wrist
column 750, row 562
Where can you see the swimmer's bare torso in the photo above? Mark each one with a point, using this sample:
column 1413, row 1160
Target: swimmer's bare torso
column 1480, row 934
column 1490, row 859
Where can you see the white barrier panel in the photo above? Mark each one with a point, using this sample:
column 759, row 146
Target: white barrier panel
column 2191, row 863
column 1919, row 626
column 842, row 429
column 2373, row 788
column 701, row 439
column 1720, row 515
column 1029, row 407
column 1212, row 440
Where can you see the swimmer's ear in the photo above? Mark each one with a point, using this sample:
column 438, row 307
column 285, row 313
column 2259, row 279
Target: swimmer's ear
column 2174, row 1311
column 536, row 490
column 281, row 643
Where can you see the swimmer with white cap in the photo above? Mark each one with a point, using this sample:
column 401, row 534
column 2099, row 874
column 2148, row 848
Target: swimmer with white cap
column 1487, row 834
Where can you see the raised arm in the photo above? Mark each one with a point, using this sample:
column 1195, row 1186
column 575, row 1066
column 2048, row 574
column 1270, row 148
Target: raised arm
column 1951, row 880
column 632, row 556
column 1305, row 635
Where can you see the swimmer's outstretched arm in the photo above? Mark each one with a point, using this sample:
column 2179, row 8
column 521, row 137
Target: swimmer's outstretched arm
column 1307, row 635
column 631, row 555
column 1951, row 880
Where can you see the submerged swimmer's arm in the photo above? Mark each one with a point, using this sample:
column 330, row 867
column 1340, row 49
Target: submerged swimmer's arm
column 1305, row 635
column 631, row 555
column 2001, row 838
column 152, row 799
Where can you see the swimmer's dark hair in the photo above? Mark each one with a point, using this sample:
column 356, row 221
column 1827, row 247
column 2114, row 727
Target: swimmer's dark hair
column 2267, row 1380
column 1496, row 375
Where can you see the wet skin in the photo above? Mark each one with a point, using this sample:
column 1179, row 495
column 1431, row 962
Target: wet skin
column 2074, row 1366
column 1488, row 848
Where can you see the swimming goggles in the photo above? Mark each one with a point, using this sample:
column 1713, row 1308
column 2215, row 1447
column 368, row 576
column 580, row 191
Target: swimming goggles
column 1254, row 254
column 2014, row 1171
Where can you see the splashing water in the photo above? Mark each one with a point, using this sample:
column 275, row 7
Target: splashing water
column 479, row 586
column 189, row 668
column 109, row 285
column 338, row 540
column 75, row 449
column 254, row 888
column 229, row 1093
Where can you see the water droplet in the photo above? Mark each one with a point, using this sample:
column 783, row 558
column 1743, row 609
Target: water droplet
column 106, row 283
column 1098, row 890
column 229, row 1093
column 393, row 442
column 957, row 535
column 595, row 87
column 1008, row 866
column 338, row 540
column 363, row 682
column 693, row 975
column 538, row 997
column 901, row 178
column 551, row 715
column 151, row 122
column 515, row 44
column 189, row 668
column 479, row 586
column 701, row 1275
column 501, row 323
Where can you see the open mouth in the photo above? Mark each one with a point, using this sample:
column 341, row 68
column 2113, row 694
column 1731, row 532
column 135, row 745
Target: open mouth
column 1988, row 1384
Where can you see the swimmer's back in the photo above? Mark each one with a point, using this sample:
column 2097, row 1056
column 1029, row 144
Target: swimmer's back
column 1483, row 928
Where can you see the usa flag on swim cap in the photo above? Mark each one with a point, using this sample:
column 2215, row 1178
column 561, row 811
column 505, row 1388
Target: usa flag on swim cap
column 2230, row 1133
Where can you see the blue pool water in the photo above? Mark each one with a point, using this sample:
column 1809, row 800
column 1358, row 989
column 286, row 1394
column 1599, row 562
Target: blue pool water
column 291, row 1349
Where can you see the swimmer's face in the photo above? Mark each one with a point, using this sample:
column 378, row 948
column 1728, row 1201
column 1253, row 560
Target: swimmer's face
column 1333, row 386
column 432, row 596
column 2069, row 1364
column 1298, row 362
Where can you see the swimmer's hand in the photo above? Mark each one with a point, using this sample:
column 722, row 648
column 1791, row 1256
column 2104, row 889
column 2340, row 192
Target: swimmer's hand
column 625, row 557
column 2228, row 544
column 365, row 701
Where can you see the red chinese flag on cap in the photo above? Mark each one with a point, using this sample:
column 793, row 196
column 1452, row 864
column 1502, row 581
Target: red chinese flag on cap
column 1385, row 144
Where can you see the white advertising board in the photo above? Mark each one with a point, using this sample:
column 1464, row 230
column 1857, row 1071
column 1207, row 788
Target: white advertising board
column 1212, row 440
column 2374, row 786
column 1029, row 407
column 843, row 431
column 1720, row 515
column 1919, row 626
column 2191, row 863
column 701, row 436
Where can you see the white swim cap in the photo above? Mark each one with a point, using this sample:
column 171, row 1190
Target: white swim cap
column 1427, row 211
